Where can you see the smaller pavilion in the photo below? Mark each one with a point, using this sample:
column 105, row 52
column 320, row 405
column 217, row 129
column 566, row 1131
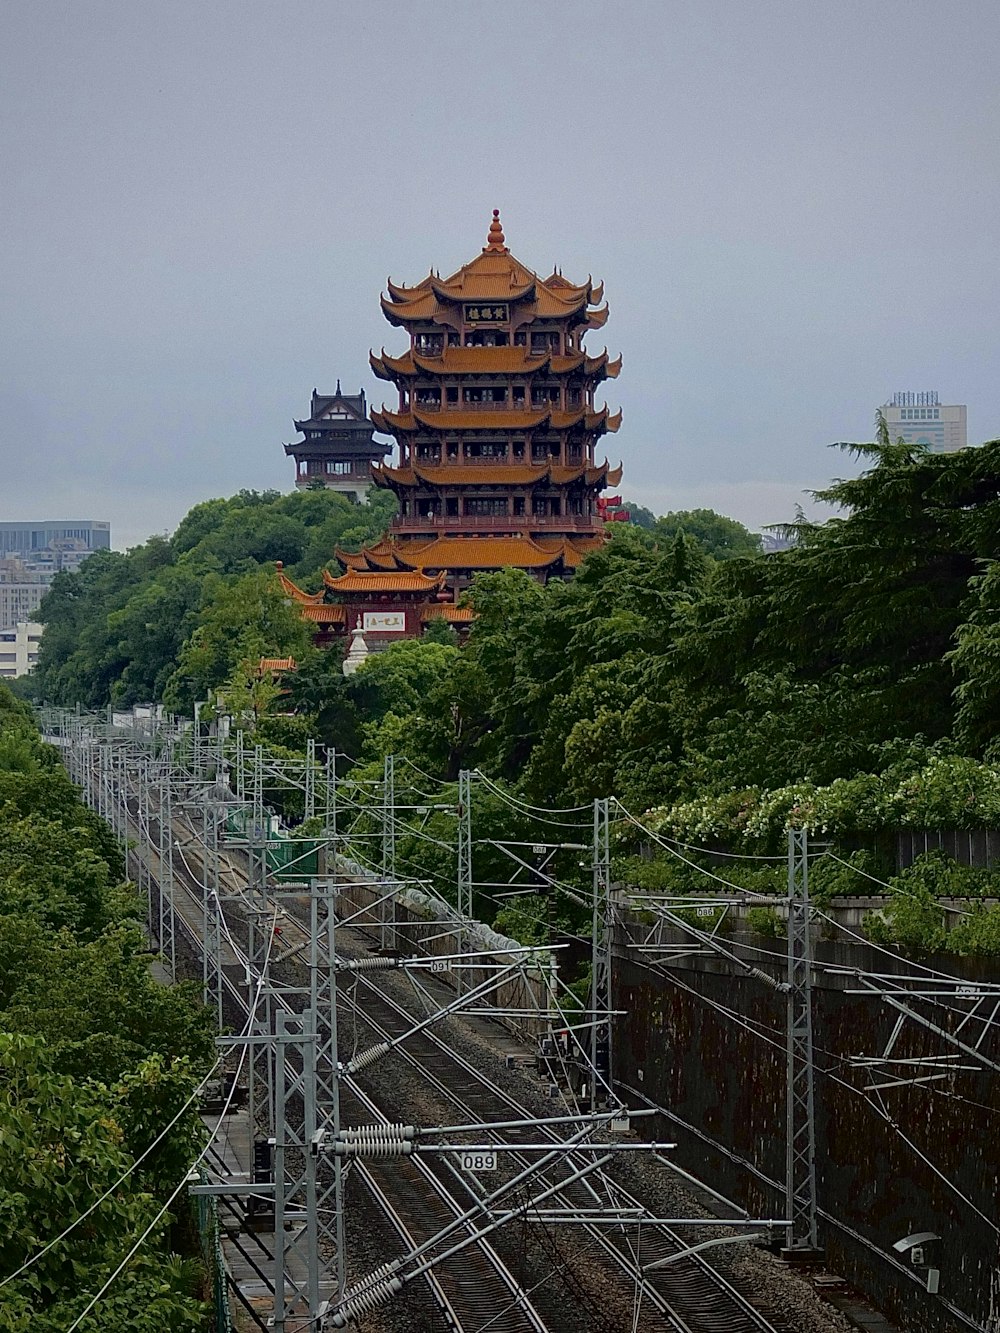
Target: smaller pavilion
column 339, row 449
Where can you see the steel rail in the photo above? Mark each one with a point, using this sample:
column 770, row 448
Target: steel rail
column 708, row 1274
column 457, row 1319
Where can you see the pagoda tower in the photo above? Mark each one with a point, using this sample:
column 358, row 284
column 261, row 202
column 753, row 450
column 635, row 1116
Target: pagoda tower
column 338, row 449
column 496, row 421
column 497, row 428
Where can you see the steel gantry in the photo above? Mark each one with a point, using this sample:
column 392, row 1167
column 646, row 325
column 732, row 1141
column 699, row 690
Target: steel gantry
column 288, row 1042
column 800, row 1128
column 602, row 945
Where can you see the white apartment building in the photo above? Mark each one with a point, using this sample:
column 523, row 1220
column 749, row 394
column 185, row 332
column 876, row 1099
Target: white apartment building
column 21, row 591
column 920, row 418
column 19, row 649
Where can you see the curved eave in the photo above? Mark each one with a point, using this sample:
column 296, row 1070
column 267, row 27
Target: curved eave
column 596, row 294
column 402, row 294
column 386, row 422
column 350, row 559
column 571, row 293
column 613, row 422
column 422, row 308
column 295, row 593
column 596, row 319
column 392, row 368
column 613, row 368
column 384, row 475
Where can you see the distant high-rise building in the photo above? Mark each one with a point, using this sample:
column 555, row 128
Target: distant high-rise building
column 919, row 418
column 28, row 541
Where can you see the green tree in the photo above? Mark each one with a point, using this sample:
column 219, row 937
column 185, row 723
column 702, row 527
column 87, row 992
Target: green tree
column 718, row 535
column 63, row 1145
column 240, row 620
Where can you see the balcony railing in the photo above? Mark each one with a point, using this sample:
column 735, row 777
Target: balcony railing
column 499, row 523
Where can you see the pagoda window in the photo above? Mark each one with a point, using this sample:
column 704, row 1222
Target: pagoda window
column 430, row 344
column 486, row 338
column 575, row 453
column 429, row 453
column 519, row 449
column 544, row 394
column 451, row 394
column 544, row 342
column 575, row 505
column 489, row 450
column 428, row 397
column 452, row 451
column 487, row 507
column 451, row 507
column 453, row 339
column 539, row 452
column 518, row 506
column 485, row 395
column 521, row 338
column 573, row 397
column 518, row 395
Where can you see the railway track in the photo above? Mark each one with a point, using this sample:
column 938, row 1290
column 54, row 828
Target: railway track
column 482, row 1292
column 415, row 1202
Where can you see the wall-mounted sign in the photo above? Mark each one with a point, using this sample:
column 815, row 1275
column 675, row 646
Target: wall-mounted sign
column 487, row 314
column 384, row 622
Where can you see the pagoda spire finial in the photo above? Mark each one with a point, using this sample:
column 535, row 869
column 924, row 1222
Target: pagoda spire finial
column 338, row 388
column 495, row 239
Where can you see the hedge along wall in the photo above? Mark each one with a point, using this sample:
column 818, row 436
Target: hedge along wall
column 727, row 1085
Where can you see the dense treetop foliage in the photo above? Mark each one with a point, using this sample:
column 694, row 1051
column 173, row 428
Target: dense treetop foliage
column 176, row 615
column 96, row 1060
column 850, row 682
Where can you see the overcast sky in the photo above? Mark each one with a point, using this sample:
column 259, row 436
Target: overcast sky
column 794, row 207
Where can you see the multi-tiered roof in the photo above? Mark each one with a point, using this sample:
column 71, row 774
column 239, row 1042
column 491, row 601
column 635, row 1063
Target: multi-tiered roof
column 497, row 427
column 496, row 420
column 337, row 449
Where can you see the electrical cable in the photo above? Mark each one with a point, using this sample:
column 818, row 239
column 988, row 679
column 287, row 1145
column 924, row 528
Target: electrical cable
column 112, row 1188
column 184, row 1181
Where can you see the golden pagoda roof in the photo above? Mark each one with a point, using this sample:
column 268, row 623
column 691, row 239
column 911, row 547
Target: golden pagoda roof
column 397, row 580
column 351, row 559
column 408, row 423
column 494, row 275
column 480, row 553
column 324, row 615
column 446, row 611
column 491, row 474
column 379, row 556
column 488, row 361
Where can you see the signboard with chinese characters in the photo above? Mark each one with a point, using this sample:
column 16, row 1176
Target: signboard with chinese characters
column 487, row 314
column 384, row 622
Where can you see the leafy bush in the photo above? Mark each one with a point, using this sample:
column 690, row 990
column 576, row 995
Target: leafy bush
column 977, row 933
column 766, row 921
